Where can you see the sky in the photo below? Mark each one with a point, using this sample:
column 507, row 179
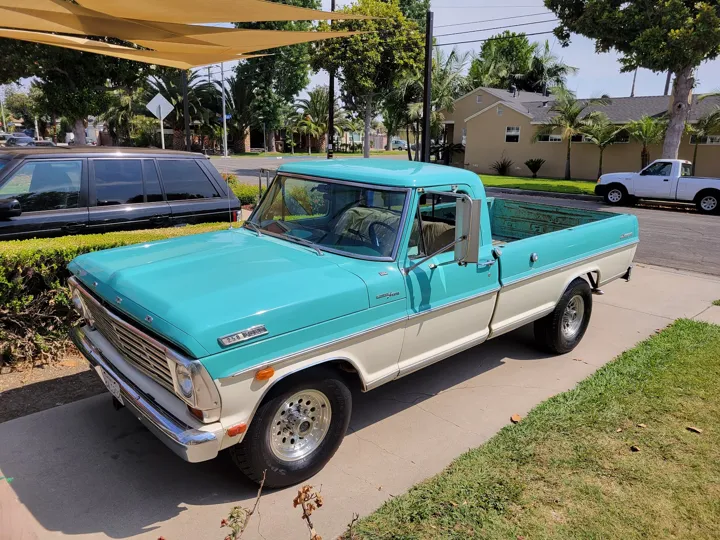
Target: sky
column 598, row 73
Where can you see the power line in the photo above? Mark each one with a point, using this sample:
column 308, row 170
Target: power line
column 492, row 20
column 484, row 7
column 490, row 39
column 497, row 28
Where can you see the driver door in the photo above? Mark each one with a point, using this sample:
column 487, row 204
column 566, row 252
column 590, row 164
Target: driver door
column 449, row 306
column 654, row 181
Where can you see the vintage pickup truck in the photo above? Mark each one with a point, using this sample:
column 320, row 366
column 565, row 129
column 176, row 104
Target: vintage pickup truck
column 348, row 274
column 663, row 179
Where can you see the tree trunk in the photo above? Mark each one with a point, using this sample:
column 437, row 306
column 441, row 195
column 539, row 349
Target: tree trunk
column 178, row 142
column 407, row 137
column 271, row 141
column 684, row 82
column 697, row 141
column 644, row 157
column 600, row 165
column 567, row 160
column 79, row 132
column 368, row 120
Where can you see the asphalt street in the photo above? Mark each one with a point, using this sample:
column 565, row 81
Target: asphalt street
column 673, row 236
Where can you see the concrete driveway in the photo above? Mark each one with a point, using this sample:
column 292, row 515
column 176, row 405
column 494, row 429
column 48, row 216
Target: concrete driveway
column 87, row 471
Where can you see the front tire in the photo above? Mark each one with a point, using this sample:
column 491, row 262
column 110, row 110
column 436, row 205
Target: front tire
column 296, row 430
column 708, row 202
column 563, row 329
column 616, row 195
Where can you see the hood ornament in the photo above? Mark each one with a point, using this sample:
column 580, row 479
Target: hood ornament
column 243, row 335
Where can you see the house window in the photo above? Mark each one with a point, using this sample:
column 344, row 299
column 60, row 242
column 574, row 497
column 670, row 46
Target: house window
column 512, row 134
column 579, row 138
column 550, row 138
column 712, row 139
column 478, row 99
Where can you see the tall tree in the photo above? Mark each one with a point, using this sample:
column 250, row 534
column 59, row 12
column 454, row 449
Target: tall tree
column 546, row 71
column 502, row 61
column 74, row 84
column 316, row 108
column 668, row 35
column 602, row 133
column 368, row 65
column 238, row 98
column 123, row 107
column 647, row 130
column 706, row 125
column 570, row 118
column 415, row 10
column 279, row 77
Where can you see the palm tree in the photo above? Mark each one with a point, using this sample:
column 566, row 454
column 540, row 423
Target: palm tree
column 546, row 71
column 201, row 96
column 706, row 125
column 648, row 130
column 311, row 129
column 124, row 106
column 238, row 97
column 570, row 118
column 600, row 131
column 316, row 109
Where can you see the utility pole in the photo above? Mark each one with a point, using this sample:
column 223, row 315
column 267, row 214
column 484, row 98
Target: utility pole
column 331, row 109
column 667, row 83
column 425, row 152
column 186, row 110
column 222, row 82
column 2, row 108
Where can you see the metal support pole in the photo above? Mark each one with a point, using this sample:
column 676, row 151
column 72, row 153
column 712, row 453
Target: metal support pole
column 162, row 129
column 2, row 110
column 186, row 110
column 425, row 152
column 331, row 110
column 667, row 83
column 222, row 82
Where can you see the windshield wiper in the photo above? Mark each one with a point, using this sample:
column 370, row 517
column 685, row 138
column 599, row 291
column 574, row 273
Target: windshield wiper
column 251, row 225
column 302, row 241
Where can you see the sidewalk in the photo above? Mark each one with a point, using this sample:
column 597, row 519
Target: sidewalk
column 86, row 470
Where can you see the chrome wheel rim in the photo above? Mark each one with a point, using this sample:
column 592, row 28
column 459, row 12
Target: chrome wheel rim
column 300, row 425
column 708, row 203
column 573, row 316
column 614, row 195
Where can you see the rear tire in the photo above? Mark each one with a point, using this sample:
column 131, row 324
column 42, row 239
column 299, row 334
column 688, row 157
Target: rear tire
column 708, row 201
column 616, row 195
column 287, row 440
column 563, row 329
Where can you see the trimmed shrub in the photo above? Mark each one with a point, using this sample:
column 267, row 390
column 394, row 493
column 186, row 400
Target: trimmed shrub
column 246, row 193
column 35, row 308
column 502, row 166
column 534, row 165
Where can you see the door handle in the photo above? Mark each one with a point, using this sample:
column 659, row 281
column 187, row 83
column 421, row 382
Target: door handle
column 74, row 227
column 482, row 264
column 666, row 180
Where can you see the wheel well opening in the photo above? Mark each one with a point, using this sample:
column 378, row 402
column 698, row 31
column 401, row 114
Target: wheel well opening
column 707, row 191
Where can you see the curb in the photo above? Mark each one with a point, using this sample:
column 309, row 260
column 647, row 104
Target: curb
column 509, row 191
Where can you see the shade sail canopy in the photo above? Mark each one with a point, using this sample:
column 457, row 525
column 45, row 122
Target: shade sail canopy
column 176, row 60
column 194, row 12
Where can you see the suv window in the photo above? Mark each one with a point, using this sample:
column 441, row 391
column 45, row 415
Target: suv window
column 45, row 185
column 118, row 181
column 153, row 191
column 184, row 179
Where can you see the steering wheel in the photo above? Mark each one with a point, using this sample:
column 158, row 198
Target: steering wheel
column 373, row 233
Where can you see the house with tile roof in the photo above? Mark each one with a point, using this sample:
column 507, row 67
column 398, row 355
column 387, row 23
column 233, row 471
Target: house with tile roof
column 492, row 123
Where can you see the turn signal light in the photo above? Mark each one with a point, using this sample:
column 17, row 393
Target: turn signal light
column 236, row 430
column 265, row 373
column 197, row 413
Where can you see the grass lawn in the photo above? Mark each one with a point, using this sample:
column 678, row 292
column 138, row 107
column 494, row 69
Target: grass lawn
column 583, row 187
column 568, row 470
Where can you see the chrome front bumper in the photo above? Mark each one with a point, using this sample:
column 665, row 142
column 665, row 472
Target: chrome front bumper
column 191, row 444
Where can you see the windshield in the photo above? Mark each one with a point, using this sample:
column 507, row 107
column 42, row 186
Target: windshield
column 346, row 218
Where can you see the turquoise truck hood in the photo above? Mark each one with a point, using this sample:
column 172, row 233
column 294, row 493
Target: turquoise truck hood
column 199, row 288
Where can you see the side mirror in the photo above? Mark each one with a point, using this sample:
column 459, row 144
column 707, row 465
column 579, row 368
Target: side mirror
column 467, row 230
column 9, row 208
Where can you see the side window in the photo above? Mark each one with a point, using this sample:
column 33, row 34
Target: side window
column 184, row 179
column 686, row 170
column 662, row 168
column 118, row 181
column 153, row 192
column 434, row 227
column 45, row 185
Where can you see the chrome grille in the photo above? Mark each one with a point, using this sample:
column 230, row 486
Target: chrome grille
column 134, row 346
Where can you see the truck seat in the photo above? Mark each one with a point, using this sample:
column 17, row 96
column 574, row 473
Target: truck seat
column 437, row 234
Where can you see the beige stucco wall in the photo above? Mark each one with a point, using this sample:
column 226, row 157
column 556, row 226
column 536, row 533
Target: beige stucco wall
column 465, row 107
column 486, row 144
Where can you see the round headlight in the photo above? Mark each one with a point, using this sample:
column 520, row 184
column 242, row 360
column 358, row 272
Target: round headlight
column 184, row 381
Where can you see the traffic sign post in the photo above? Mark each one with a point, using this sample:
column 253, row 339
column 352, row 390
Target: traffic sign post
column 160, row 108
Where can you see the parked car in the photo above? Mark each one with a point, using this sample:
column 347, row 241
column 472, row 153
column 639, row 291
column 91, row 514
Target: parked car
column 19, row 140
column 59, row 191
column 663, row 179
column 3, row 138
column 398, row 144
column 45, row 142
column 348, row 274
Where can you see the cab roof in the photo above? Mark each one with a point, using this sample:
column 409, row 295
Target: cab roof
column 384, row 172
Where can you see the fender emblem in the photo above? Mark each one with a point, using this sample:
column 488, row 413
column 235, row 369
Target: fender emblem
column 243, row 335
column 387, row 295
column 626, row 235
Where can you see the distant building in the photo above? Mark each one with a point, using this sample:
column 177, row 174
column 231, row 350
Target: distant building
column 493, row 123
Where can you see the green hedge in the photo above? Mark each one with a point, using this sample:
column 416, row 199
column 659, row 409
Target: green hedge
column 246, row 193
column 35, row 310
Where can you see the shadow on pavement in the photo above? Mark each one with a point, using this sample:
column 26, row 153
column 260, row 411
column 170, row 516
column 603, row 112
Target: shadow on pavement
column 85, row 468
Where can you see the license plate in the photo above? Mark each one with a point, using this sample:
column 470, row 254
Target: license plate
column 111, row 384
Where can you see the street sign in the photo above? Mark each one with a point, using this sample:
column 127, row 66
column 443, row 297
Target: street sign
column 160, row 107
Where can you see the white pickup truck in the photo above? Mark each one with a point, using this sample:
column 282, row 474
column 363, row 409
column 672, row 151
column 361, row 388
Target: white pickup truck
column 663, row 179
